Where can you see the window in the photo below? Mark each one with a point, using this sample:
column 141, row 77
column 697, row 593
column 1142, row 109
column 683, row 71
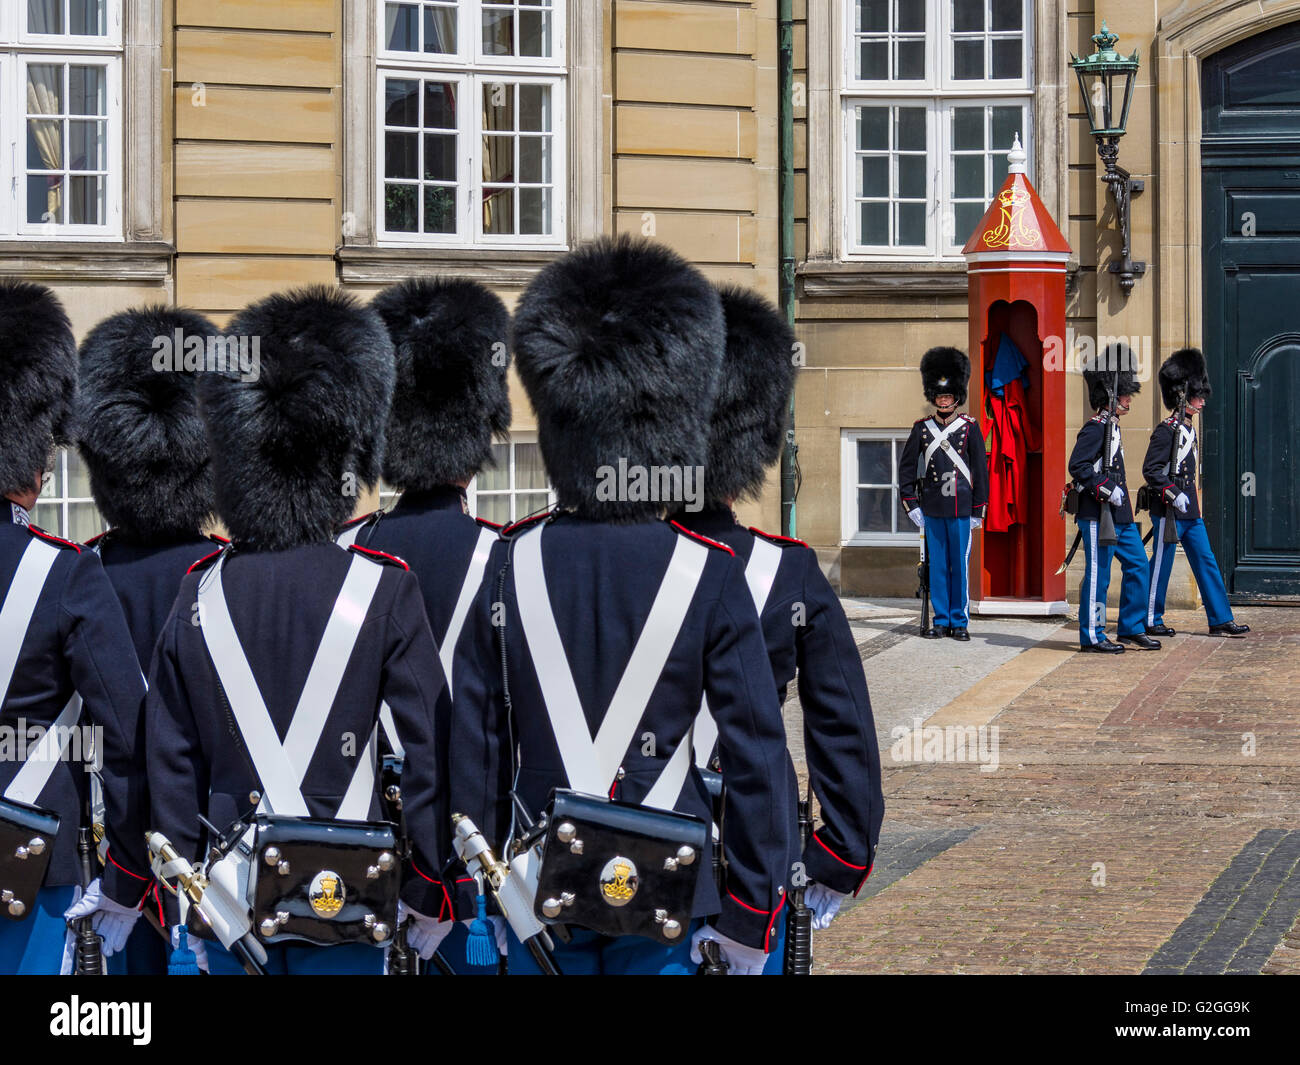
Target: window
column 61, row 119
column 471, row 123
column 871, row 509
column 65, row 506
column 933, row 91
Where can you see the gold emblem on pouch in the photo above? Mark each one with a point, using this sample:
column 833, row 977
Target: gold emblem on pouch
column 326, row 894
column 619, row 881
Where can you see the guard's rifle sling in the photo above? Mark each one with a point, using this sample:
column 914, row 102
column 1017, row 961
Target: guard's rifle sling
column 1171, row 516
column 90, row 954
column 798, row 926
column 1106, row 524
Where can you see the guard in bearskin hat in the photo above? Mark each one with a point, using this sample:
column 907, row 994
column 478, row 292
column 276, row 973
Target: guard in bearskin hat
column 450, row 338
column 69, row 680
column 943, row 480
column 1170, row 472
column 140, row 435
column 269, row 675
column 1104, row 511
column 603, row 619
column 814, row 644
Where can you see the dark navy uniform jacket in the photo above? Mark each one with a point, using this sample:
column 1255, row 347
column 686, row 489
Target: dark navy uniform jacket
column 601, row 580
column 279, row 603
column 808, row 635
column 1091, row 477
column 146, row 578
column 1164, row 448
column 78, row 640
column 926, row 488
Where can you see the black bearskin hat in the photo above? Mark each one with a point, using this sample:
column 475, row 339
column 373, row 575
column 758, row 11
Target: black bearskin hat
column 295, row 442
column 38, row 382
column 945, row 371
column 449, row 339
column 749, row 416
column 138, row 426
column 1184, row 371
column 619, row 345
column 1100, row 377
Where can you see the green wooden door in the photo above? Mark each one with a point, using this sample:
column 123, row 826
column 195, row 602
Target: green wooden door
column 1251, row 240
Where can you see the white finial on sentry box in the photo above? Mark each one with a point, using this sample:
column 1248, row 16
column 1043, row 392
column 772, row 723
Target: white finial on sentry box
column 1016, row 157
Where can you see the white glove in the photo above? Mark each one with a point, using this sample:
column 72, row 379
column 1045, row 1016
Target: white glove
column 742, row 960
column 423, row 934
column 111, row 921
column 1116, row 496
column 194, row 943
column 498, row 930
column 976, row 523
column 1181, row 503
column 824, row 903
column 918, row 519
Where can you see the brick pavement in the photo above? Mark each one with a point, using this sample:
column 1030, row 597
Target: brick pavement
column 1126, row 787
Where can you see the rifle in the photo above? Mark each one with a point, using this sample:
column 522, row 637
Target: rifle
column 1171, row 515
column 90, row 948
column 798, row 925
column 713, row 963
column 402, row 960
column 1106, row 526
column 923, row 588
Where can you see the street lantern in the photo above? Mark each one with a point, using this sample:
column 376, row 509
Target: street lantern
column 1106, row 84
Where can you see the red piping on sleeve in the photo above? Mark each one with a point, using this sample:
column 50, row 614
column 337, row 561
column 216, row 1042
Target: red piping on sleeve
column 446, row 899
column 135, row 876
column 836, row 856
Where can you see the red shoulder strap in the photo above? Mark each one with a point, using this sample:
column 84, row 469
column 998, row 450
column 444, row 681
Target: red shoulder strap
column 776, row 537
column 59, row 540
column 384, row 555
column 205, row 560
column 702, row 539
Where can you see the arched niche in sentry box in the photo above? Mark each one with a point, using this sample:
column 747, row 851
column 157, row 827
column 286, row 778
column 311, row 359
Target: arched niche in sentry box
column 1016, row 262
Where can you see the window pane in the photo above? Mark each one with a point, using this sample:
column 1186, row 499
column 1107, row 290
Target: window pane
column 85, row 522
column 86, row 201
column 78, row 476
column 498, row 158
column 534, row 159
column 86, row 91
column 1006, row 57
column 401, row 27
column 873, row 15
column 968, row 128
column 440, row 157
column 874, row 461
column 401, row 102
column 966, row 216
column 1007, row 14
column 496, row 477
column 439, row 209
column 535, row 108
column 875, row 223
column 911, row 176
column 499, row 211
column 874, row 506
column 88, row 145
column 967, row 15
column 968, row 177
column 909, row 62
column 911, row 129
column 44, row 89
column 531, row 503
column 873, row 61
column 44, row 144
column 910, row 16
column 911, row 223
column 499, row 105
column 534, row 211
column 529, row 471
column 968, row 60
column 498, row 32
column 875, row 176
column 439, row 105
column 1007, row 122
column 49, row 516
column 87, row 18
column 493, row 508
column 400, row 208
column 44, row 16
column 401, row 155
column 873, row 128
column 440, row 30
column 534, row 33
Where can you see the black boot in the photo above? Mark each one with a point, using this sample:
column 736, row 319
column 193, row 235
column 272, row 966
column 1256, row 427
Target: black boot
column 1141, row 641
column 959, row 634
column 1103, row 647
column 1160, row 630
column 1229, row 628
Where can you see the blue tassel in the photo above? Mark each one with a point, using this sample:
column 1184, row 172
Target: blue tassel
column 481, row 946
column 182, row 961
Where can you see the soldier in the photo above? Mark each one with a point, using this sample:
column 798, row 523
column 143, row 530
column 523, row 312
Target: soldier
column 803, row 622
column 1099, row 481
column 943, row 479
column 269, row 675
column 68, row 672
column 451, row 399
column 604, row 620
column 1170, row 472
column 141, row 437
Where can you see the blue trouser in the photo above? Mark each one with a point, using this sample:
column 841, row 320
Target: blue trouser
column 947, row 548
column 34, row 945
column 303, row 959
column 1205, row 568
column 1096, row 582
column 591, row 954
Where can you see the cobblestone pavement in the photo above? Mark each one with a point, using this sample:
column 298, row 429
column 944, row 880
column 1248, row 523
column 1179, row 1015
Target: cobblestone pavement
column 1144, row 812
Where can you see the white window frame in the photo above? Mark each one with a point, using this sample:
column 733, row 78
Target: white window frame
column 939, row 94
column 18, row 49
column 64, row 501
column 471, row 70
column 511, row 439
column 850, row 535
